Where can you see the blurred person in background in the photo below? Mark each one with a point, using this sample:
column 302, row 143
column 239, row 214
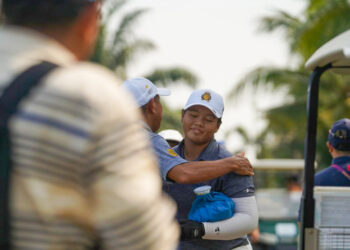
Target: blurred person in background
column 294, row 189
column 82, row 173
column 172, row 136
column 338, row 173
column 201, row 119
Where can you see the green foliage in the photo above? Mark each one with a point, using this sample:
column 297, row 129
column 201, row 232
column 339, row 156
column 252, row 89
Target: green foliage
column 321, row 21
column 118, row 47
column 171, row 119
column 325, row 19
column 286, row 125
column 166, row 77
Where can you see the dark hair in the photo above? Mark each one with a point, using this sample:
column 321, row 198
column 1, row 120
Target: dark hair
column 41, row 12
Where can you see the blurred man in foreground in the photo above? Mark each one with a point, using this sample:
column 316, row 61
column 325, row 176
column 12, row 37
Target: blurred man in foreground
column 82, row 173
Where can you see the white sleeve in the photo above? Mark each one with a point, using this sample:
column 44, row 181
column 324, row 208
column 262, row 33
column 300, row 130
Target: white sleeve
column 244, row 221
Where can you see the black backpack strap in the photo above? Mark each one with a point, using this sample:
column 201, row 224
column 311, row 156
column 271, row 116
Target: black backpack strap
column 17, row 90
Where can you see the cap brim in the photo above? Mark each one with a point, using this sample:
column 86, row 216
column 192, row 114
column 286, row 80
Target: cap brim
column 204, row 105
column 163, row 92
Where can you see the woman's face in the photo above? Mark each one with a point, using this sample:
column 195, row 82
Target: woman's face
column 199, row 124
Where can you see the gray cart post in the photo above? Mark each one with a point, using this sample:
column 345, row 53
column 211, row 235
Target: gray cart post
column 335, row 56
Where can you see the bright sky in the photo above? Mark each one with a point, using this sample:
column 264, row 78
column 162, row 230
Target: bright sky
column 217, row 40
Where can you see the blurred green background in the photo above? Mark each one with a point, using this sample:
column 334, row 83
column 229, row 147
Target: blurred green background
column 284, row 134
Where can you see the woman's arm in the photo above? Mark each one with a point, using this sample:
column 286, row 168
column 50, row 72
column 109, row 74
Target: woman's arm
column 244, row 221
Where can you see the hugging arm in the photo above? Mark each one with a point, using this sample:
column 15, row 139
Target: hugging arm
column 200, row 171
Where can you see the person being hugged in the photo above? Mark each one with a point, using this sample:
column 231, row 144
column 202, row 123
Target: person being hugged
column 201, row 119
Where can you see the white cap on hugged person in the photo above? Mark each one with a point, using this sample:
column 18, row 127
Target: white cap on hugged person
column 143, row 90
column 171, row 135
column 207, row 98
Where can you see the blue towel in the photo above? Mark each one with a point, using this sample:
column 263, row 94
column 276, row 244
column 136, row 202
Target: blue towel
column 211, row 207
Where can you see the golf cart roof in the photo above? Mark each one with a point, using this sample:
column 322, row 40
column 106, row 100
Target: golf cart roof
column 336, row 52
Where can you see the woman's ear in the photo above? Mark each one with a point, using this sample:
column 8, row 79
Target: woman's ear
column 218, row 124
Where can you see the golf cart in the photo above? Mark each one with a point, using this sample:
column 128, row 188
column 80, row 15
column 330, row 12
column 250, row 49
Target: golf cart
column 278, row 202
column 332, row 227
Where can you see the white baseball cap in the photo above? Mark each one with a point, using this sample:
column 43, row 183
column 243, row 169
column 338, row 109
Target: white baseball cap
column 171, row 134
column 143, row 90
column 207, row 98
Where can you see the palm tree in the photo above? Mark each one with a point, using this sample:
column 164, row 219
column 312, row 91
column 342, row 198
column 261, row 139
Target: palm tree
column 118, row 47
column 286, row 124
column 168, row 76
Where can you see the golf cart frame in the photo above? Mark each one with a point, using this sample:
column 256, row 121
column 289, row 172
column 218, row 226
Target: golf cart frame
column 335, row 56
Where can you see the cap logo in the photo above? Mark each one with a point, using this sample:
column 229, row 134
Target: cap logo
column 341, row 133
column 206, row 96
